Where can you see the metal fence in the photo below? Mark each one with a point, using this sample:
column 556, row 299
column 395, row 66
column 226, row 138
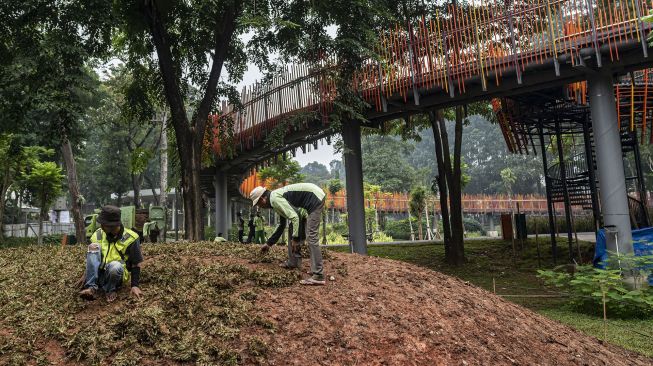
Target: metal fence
column 31, row 229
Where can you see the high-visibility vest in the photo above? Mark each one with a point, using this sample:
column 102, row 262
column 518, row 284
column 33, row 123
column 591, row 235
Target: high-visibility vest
column 115, row 251
column 259, row 224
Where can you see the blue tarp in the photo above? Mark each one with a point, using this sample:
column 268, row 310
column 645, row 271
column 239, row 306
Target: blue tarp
column 642, row 245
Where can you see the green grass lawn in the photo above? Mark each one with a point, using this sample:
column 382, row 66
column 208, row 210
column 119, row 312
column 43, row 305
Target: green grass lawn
column 490, row 263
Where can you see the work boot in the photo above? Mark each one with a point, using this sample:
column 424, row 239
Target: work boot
column 315, row 280
column 88, row 294
column 285, row 265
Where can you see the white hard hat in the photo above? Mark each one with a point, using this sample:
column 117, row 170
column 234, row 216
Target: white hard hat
column 256, row 194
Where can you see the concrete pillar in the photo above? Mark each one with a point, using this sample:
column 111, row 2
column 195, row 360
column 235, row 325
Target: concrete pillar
column 609, row 160
column 351, row 136
column 221, row 205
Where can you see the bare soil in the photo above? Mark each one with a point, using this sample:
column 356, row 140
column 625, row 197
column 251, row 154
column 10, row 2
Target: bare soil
column 384, row 312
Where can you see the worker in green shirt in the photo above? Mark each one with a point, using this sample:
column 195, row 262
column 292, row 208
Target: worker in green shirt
column 285, row 201
column 259, row 224
column 219, row 238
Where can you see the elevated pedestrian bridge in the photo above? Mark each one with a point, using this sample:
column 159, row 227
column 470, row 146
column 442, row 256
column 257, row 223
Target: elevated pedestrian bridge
column 463, row 55
column 469, row 54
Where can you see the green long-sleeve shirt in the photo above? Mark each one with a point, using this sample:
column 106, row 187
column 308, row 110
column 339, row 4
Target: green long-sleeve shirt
column 301, row 195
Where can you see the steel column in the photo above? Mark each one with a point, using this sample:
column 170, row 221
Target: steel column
column 221, row 205
column 549, row 203
column 609, row 159
column 565, row 190
column 641, row 183
column 589, row 160
column 351, row 137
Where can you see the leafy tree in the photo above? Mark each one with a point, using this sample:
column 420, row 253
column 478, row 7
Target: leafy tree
column 41, row 184
column 337, row 169
column 385, row 165
column 13, row 158
column 137, row 105
column 484, row 155
column 417, row 205
column 45, row 51
column 282, row 172
column 104, row 166
column 371, row 193
column 190, row 43
column 316, row 173
column 9, row 167
column 508, row 178
column 334, row 186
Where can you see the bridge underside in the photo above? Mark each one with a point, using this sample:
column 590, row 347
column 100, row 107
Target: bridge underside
column 570, row 135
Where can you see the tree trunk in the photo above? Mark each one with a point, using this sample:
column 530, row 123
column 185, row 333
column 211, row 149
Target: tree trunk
column 192, row 194
column 455, row 195
column 410, row 223
column 150, row 182
column 419, row 226
column 73, row 187
column 4, row 186
column 376, row 218
column 324, row 227
column 190, row 134
column 428, row 224
column 163, row 186
column 39, row 235
column 442, row 181
column 137, row 182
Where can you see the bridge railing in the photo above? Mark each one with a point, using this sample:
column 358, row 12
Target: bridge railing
column 398, row 202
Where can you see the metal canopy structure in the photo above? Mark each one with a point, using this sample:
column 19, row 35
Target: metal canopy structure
column 557, row 124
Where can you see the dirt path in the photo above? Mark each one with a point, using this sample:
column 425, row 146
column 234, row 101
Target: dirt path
column 383, row 312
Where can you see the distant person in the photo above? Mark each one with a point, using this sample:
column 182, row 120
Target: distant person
column 154, row 232
column 114, row 257
column 259, row 224
column 252, row 229
column 219, row 238
column 241, row 226
column 302, row 195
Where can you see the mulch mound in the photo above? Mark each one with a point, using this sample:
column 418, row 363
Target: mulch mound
column 384, row 312
column 210, row 303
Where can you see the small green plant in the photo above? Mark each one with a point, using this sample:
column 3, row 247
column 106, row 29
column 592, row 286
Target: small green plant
column 335, row 238
column 619, row 290
column 380, row 236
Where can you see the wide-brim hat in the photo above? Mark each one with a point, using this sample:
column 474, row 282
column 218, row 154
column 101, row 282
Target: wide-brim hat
column 109, row 215
column 256, row 194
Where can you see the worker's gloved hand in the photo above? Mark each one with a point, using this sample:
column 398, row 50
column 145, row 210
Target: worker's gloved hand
column 136, row 292
column 265, row 248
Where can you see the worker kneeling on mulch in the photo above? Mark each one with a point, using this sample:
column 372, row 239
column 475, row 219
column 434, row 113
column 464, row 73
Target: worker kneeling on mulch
column 284, row 201
column 113, row 257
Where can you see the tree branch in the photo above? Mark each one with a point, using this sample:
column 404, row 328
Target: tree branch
column 169, row 74
column 223, row 34
column 147, row 134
